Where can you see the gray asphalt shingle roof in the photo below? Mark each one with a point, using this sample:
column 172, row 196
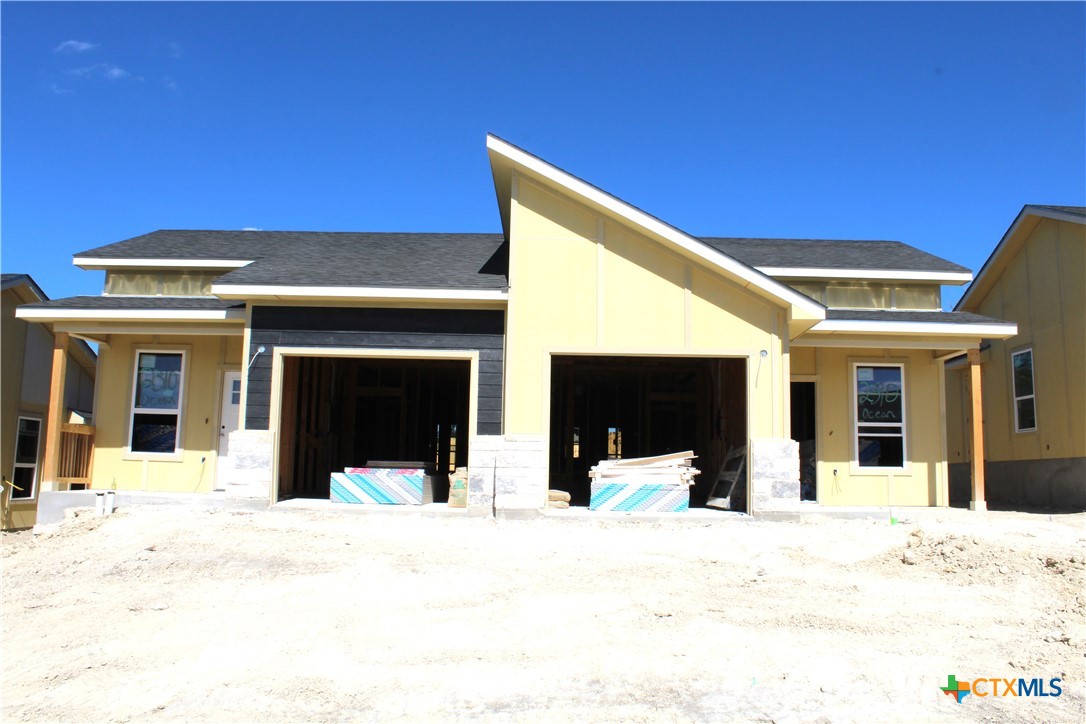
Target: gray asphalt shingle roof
column 456, row 261
column 318, row 258
column 135, row 303
column 832, row 254
column 1077, row 210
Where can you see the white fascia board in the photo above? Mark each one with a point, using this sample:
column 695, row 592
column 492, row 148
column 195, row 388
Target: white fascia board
column 861, row 326
column 133, row 315
column 655, row 226
column 256, row 291
column 96, row 263
column 791, row 272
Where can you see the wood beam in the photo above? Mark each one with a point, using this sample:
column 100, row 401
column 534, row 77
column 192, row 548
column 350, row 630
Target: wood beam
column 56, row 412
column 977, row 463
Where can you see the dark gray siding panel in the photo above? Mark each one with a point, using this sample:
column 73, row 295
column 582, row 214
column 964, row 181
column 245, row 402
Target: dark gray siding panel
column 452, row 329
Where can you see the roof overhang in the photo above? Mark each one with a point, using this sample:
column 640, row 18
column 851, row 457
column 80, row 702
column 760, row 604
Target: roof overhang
column 1012, row 241
column 286, row 292
column 506, row 160
column 895, row 275
column 24, row 287
column 57, row 314
column 902, row 335
column 863, row 326
column 99, row 263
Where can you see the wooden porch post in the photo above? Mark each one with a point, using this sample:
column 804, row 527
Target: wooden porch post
column 56, row 411
column 977, row 463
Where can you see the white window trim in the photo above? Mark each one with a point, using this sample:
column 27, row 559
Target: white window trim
column 1032, row 396
column 37, row 460
column 179, row 449
column 854, row 464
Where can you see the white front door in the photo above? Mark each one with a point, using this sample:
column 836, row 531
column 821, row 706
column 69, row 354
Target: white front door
column 228, row 422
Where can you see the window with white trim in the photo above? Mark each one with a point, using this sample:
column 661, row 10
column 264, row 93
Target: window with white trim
column 879, row 404
column 24, row 476
column 1025, row 400
column 156, row 402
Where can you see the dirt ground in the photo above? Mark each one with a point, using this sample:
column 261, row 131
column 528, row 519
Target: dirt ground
column 310, row 615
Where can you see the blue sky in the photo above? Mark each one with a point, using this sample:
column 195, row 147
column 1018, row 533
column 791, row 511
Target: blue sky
column 928, row 123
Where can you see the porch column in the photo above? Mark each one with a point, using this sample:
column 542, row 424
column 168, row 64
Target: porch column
column 56, row 411
column 977, row 463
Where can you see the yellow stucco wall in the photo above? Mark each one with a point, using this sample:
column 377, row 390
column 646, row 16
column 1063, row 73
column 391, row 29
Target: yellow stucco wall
column 583, row 282
column 923, row 479
column 207, row 357
column 1042, row 288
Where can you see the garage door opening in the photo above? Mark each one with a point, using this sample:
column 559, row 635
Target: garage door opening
column 608, row 408
column 340, row 412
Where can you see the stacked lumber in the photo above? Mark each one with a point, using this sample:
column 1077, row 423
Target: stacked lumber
column 659, row 484
column 557, row 499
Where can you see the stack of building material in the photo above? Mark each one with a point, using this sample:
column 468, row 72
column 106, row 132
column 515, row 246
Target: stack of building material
column 384, row 486
column 654, row 484
column 557, row 499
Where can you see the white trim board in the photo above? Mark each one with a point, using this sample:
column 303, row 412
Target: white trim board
column 265, row 291
column 852, row 326
column 132, row 315
column 91, row 263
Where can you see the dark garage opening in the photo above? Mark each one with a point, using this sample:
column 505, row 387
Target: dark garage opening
column 623, row 407
column 340, row 412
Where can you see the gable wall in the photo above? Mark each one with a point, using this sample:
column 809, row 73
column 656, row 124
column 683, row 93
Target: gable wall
column 1041, row 289
column 581, row 282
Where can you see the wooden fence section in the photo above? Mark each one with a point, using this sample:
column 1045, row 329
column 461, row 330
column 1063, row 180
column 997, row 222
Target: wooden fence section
column 76, row 452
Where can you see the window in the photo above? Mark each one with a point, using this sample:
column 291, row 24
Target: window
column 880, row 415
column 1025, row 403
column 25, row 475
column 156, row 402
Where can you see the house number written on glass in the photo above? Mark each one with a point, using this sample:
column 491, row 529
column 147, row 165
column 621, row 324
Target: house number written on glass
column 158, row 381
column 879, row 394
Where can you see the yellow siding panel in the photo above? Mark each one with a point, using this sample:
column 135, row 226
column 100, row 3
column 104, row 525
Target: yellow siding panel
column 804, row 361
column 1044, row 274
column 644, row 292
column 1072, row 250
column 194, row 472
column 918, row 483
column 1053, row 438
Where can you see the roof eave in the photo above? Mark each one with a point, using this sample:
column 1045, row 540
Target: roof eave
column 60, row 314
column 934, row 329
column 289, row 292
column 104, row 263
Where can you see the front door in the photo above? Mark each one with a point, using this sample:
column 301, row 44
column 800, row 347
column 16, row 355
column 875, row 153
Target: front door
column 228, row 422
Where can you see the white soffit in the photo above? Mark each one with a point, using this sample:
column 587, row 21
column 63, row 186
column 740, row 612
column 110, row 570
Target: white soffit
column 862, row 326
column 654, row 226
column 133, row 315
column 96, row 263
column 253, row 291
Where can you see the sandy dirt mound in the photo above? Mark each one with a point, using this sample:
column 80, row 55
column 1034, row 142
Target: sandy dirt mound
column 186, row 615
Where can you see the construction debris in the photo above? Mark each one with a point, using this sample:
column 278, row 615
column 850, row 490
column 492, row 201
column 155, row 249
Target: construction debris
column 654, row 484
column 557, row 499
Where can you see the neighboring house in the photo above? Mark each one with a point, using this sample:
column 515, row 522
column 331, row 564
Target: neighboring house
column 259, row 362
column 1034, row 383
column 26, row 359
